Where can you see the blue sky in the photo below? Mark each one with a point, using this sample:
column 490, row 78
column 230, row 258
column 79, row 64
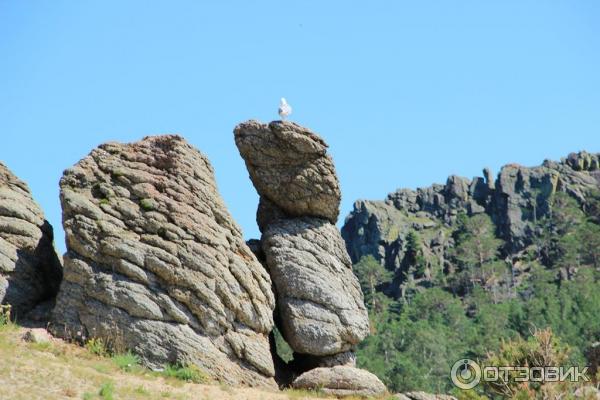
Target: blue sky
column 405, row 93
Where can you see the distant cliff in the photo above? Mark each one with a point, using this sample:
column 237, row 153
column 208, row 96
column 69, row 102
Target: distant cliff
column 516, row 201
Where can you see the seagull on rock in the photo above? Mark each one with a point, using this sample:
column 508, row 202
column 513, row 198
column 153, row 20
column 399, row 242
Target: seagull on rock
column 284, row 109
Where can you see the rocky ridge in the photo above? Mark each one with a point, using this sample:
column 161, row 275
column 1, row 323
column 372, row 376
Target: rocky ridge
column 518, row 198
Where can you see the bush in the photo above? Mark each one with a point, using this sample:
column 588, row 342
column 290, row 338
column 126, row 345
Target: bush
column 96, row 346
column 4, row 315
column 543, row 349
column 127, row 362
column 188, row 373
column 107, row 391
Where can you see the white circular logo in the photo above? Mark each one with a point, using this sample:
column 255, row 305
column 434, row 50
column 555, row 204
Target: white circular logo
column 465, row 374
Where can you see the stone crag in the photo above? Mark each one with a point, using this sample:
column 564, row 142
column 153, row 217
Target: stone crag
column 320, row 308
column 319, row 300
column 289, row 166
column 30, row 270
column 515, row 201
column 156, row 264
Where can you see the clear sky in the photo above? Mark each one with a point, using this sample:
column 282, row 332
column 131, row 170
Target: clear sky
column 405, row 93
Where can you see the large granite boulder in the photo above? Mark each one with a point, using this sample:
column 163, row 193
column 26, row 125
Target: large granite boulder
column 30, row 270
column 289, row 165
column 318, row 296
column 341, row 381
column 156, row 264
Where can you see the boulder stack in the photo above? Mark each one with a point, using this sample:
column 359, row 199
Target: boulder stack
column 290, row 167
column 30, row 270
column 156, row 264
column 320, row 306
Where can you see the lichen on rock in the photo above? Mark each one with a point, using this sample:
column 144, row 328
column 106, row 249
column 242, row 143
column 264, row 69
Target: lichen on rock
column 155, row 261
column 289, row 165
column 319, row 298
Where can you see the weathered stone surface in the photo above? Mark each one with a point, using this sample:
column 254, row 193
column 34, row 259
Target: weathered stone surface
column 320, row 309
column 30, row 270
column 268, row 213
column 341, row 381
column 37, row 335
column 318, row 297
column 289, row 165
column 583, row 161
column 155, row 261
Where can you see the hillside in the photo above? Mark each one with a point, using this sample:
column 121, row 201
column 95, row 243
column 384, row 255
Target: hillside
column 455, row 270
column 55, row 369
column 159, row 284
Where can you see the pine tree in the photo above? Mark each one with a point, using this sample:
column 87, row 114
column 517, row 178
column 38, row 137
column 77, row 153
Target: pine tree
column 477, row 249
column 370, row 274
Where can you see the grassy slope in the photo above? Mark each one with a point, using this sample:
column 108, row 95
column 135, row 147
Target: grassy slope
column 59, row 370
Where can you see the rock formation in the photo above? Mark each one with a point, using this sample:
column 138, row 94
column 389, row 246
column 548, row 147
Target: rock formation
column 156, row 264
column 341, row 381
column 319, row 298
column 30, row 270
column 320, row 308
column 515, row 201
column 289, row 165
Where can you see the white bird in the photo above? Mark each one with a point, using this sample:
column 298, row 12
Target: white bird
column 284, row 109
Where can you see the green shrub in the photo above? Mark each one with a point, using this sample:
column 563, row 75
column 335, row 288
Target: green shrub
column 107, row 391
column 96, row 346
column 4, row 315
column 142, row 390
column 188, row 373
column 127, row 361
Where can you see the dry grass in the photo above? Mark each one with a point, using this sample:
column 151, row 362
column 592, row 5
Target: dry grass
column 59, row 370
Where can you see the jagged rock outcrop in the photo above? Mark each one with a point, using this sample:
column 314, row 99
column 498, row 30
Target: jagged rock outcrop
column 320, row 306
column 156, row 264
column 341, row 381
column 515, row 201
column 30, row 270
column 318, row 296
column 284, row 155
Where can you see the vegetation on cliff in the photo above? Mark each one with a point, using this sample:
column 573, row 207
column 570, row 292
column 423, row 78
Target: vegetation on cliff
column 482, row 294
